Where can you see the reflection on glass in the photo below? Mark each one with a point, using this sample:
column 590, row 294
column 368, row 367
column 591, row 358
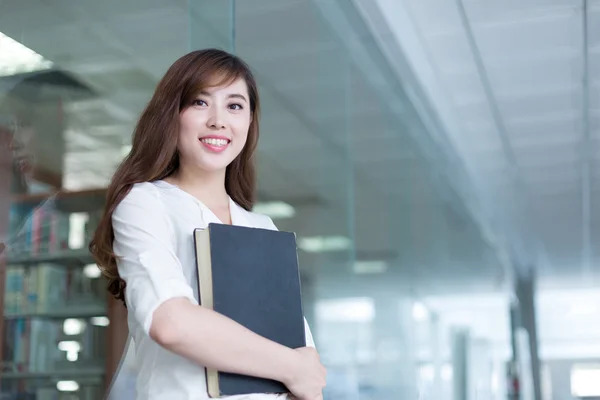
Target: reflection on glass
column 50, row 344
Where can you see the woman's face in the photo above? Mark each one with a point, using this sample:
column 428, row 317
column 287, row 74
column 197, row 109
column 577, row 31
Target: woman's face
column 214, row 128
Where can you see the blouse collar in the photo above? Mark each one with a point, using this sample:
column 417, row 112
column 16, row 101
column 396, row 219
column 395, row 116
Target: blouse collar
column 239, row 216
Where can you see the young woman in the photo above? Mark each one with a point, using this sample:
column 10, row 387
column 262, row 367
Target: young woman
column 191, row 163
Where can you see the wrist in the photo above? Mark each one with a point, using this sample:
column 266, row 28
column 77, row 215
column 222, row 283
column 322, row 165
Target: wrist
column 287, row 369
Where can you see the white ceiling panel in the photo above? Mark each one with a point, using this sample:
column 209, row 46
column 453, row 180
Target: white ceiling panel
column 549, row 133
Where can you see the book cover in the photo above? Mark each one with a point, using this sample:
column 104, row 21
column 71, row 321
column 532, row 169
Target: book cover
column 251, row 275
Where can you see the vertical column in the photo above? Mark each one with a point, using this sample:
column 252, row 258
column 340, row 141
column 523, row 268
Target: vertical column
column 515, row 323
column 480, row 369
column 406, row 339
column 394, row 365
column 525, row 290
column 512, row 371
column 460, row 364
column 436, row 355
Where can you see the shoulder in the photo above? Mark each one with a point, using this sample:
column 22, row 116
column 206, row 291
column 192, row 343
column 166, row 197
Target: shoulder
column 141, row 196
column 260, row 220
column 142, row 192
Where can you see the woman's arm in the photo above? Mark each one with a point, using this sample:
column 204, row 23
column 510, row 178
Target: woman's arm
column 215, row 341
column 160, row 299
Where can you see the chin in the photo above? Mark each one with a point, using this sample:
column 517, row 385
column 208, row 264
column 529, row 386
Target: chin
column 207, row 163
column 213, row 167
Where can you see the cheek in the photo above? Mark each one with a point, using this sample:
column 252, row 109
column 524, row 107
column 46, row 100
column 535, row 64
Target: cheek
column 241, row 130
column 189, row 122
column 186, row 138
column 186, row 129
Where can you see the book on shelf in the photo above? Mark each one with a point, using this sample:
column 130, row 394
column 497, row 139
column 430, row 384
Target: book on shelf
column 38, row 301
column 29, row 345
column 34, row 290
column 42, row 346
column 36, row 230
column 38, row 284
column 49, row 288
column 42, row 295
column 250, row 275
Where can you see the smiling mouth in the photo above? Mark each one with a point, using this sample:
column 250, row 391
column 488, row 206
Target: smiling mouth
column 215, row 142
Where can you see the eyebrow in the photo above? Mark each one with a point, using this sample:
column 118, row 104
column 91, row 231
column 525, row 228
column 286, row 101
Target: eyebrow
column 231, row 96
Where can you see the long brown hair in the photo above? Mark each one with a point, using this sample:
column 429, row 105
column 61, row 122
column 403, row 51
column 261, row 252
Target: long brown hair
column 154, row 153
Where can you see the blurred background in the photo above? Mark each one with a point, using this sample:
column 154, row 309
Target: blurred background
column 436, row 158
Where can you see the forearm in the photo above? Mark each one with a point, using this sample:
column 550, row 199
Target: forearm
column 215, row 341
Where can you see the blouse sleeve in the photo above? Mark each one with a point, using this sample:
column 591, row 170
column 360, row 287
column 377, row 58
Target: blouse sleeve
column 144, row 243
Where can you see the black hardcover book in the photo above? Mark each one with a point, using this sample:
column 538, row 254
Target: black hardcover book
column 250, row 275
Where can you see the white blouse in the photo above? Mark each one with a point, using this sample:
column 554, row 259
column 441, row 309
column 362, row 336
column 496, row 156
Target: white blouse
column 153, row 227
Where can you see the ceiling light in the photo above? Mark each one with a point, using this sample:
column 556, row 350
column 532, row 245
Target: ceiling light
column 77, row 225
column 584, row 381
column 370, row 267
column 73, row 326
column 346, row 310
column 100, row 321
column 72, row 348
column 275, row 209
column 319, row 244
column 16, row 58
column 92, row 271
column 69, row 345
column 427, row 372
column 67, row 386
column 420, row 312
column 72, row 356
column 447, row 372
column 583, row 308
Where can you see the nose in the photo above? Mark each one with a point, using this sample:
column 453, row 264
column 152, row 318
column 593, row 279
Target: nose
column 216, row 120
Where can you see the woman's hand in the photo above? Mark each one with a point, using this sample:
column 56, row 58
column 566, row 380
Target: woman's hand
column 308, row 377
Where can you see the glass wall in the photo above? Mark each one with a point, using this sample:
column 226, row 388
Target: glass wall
column 401, row 289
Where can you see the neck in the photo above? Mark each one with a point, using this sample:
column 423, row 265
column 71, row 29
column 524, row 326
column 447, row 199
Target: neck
column 209, row 188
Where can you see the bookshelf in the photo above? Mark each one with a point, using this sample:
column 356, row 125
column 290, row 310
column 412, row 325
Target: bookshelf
column 61, row 333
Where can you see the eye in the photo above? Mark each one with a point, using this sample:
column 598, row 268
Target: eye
column 198, row 102
column 236, row 107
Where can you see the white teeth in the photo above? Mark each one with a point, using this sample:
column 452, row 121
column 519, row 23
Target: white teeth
column 215, row 142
